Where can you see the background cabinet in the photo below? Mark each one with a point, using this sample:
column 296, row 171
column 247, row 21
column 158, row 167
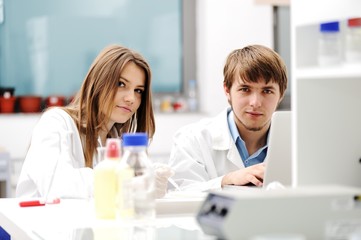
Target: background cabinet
column 326, row 101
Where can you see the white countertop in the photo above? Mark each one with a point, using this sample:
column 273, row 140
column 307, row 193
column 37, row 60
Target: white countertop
column 75, row 219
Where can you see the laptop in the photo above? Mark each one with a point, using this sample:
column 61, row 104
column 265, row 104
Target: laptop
column 279, row 154
column 278, row 170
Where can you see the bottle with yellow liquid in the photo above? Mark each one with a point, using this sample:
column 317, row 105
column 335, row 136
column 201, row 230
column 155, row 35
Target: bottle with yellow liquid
column 105, row 181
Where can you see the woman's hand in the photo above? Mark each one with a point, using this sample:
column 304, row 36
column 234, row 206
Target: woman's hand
column 162, row 173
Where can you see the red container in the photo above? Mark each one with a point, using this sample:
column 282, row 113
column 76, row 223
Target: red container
column 7, row 91
column 7, row 104
column 30, row 104
column 53, row 101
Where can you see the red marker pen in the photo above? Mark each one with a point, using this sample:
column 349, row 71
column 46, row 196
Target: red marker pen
column 36, row 203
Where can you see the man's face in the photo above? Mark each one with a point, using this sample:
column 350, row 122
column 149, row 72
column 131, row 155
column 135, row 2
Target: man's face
column 253, row 103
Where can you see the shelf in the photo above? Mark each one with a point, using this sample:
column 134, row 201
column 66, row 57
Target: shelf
column 344, row 72
column 325, row 100
column 308, row 12
column 274, row 2
column 19, row 114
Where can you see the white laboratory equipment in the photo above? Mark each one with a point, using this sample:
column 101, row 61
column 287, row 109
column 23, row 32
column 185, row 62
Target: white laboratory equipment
column 317, row 212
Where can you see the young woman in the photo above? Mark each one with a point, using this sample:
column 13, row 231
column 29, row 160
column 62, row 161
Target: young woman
column 114, row 98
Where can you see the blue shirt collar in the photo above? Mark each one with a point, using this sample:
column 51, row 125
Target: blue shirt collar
column 258, row 156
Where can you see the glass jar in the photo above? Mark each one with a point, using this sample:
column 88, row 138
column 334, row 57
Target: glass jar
column 329, row 45
column 139, row 190
column 353, row 41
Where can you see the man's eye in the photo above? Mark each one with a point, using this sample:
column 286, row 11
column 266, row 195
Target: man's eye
column 244, row 89
column 267, row 91
column 121, row 84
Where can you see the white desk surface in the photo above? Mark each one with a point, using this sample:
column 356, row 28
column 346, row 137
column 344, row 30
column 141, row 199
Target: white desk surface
column 75, row 219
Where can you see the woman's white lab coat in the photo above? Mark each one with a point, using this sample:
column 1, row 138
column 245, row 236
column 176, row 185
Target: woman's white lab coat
column 56, row 152
column 203, row 152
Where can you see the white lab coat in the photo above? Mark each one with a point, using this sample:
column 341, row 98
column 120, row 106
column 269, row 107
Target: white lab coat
column 55, row 148
column 203, row 152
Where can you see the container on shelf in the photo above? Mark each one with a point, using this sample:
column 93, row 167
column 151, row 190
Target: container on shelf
column 7, row 104
column 192, row 96
column 329, row 44
column 30, row 104
column 179, row 104
column 166, row 104
column 6, row 91
column 353, row 40
column 55, row 100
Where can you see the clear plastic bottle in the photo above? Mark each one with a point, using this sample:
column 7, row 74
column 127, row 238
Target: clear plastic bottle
column 192, row 96
column 330, row 44
column 125, row 202
column 105, row 181
column 353, row 40
column 143, row 183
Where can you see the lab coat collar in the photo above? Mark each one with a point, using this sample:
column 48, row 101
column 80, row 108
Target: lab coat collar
column 222, row 139
column 221, row 136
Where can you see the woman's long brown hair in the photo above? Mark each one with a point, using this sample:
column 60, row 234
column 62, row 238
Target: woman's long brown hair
column 92, row 106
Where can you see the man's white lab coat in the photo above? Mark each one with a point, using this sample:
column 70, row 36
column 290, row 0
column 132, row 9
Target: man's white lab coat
column 55, row 151
column 203, row 152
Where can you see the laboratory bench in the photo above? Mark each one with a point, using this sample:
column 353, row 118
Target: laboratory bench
column 74, row 219
column 302, row 213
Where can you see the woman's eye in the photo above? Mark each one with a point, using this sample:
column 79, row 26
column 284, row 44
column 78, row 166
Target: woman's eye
column 140, row 91
column 121, row 84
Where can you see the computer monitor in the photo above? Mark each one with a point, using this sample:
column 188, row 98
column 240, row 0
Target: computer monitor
column 326, row 131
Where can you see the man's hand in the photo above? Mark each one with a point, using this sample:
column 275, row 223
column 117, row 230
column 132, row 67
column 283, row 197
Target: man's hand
column 253, row 174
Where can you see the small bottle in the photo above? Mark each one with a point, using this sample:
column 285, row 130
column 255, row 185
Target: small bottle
column 143, row 183
column 192, row 96
column 353, row 40
column 105, row 181
column 329, row 45
column 166, row 104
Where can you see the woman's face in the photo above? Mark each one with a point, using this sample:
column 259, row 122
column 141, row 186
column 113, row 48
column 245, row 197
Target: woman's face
column 128, row 98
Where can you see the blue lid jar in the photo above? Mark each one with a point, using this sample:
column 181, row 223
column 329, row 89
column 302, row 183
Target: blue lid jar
column 330, row 27
column 329, row 44
column 135, row 139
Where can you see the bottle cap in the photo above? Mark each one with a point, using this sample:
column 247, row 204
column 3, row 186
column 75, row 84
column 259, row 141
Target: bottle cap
column 330, row 27
column 135, row 139
column 354, row 22
column 113, row 148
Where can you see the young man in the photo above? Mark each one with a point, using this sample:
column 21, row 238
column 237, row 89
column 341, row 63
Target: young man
column 230, row 148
